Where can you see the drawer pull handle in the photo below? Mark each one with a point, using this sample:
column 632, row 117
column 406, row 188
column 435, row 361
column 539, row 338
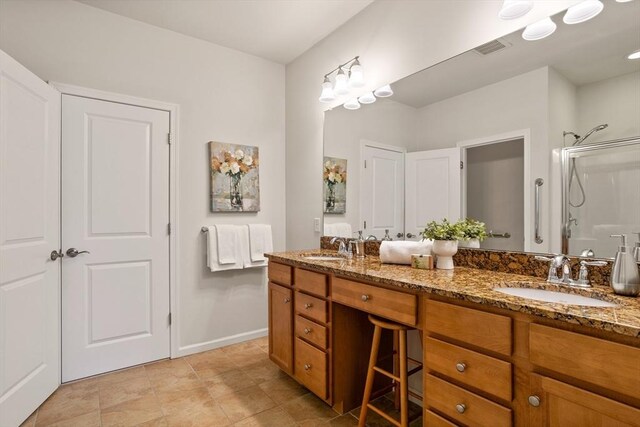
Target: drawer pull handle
column 308, row 306
column 461, row 407
column 534, row 401
column 287, row 300
column 366, row 298
column 307, row 330
column 460, row 367
column 307, row 367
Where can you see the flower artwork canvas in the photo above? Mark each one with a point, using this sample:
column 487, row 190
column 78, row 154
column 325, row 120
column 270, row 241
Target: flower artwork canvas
column 235, row 186
column 335, row 185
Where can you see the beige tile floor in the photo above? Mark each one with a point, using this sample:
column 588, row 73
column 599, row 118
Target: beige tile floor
column 236, row 385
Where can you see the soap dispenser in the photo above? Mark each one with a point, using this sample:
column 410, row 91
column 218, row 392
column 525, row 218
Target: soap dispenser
column 358, row 246
column 636, row 250
column 625, row 279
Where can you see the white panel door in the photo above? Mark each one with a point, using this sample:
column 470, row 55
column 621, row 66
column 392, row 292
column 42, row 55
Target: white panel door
column 29, row 231
column 432, row 188
column 115, row 183
column 382, row 191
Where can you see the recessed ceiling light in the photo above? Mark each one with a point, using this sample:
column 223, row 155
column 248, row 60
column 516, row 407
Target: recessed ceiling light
column 583, row 11
column 539, row 30
column 634, row 55
column 512, row 9
column 352, row 104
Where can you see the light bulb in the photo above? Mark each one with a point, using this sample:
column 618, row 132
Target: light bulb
column 539, row 30
column 583, row 11
column 634, row 55
column 327, row 94
column 623, row 1
column 383, row 92
column 356, row 76
column 367, row 98
column 341, row 87
column 512, row 9
column 352, row 104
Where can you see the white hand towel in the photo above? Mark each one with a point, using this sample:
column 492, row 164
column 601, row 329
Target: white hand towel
column 260, row 241
column 246, row 251
column 227, row 243
column 399, row 252
column 212, row 252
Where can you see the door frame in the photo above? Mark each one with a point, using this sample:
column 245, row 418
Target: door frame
column 373, row 144
column 173, row 110
column 525, row 135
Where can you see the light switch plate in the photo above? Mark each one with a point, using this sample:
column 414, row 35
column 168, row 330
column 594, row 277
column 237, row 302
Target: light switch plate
column 316, row 225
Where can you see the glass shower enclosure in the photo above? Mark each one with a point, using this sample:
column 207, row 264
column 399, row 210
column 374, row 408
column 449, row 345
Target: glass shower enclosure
column 600, row 196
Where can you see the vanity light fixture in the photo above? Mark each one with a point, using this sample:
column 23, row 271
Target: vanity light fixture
column 383, row 92
column 583, row 11
column 367, row 98
column 634, row 55
column 512, row 9
column 343, row 81
column 352, row 104
column 539, row 30
column 624, row 1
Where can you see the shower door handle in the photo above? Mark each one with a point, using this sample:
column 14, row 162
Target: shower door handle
column 538, row 184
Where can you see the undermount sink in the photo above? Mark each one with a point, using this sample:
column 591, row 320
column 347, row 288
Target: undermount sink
column 323, row 258
column 555, row 297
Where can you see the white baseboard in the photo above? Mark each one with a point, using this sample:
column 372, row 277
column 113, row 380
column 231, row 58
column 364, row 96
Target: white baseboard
column 220, row 342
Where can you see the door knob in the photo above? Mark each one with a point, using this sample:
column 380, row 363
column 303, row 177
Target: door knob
column 534, row 400
column 400, row 235
column 73, row 252
column 409, row 235
column 55, row 255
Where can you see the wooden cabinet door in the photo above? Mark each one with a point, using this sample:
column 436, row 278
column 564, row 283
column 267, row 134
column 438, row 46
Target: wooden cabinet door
column 562, row 405
column 281, row 327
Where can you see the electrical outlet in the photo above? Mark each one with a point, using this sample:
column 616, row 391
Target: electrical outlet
column 316, row 225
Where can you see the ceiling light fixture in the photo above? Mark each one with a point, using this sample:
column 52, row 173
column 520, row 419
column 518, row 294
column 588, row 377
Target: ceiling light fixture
column 383, row 92
column 539, row 30
column 634, row 55
column 367, row 98
column 583, row 11
column 352, row 104
column 343, row 82
column 512, row 9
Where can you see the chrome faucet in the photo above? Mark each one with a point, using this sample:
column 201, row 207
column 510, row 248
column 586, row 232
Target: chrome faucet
column 344, row 249
column 564, row 263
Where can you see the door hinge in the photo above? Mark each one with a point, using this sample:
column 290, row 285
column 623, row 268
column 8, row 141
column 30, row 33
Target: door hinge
column 365, row 164
column 365, row 225
column 169, row 229
column 461, row 164
column 170, row 319
column 169, row 138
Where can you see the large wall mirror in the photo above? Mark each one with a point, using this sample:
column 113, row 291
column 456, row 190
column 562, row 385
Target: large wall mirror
column 484, row 134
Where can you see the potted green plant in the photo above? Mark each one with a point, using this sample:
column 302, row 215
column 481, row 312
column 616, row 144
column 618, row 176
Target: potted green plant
column 474, row 232
column 445, row 236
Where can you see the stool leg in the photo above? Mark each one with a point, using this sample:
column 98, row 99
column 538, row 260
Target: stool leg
column 396, row 368
column 375, row 346
column 404, row 385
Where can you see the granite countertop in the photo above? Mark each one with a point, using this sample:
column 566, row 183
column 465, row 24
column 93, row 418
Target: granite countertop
column 477, row 286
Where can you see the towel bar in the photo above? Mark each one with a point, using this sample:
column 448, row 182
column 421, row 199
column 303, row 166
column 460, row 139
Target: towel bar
column 204, row 229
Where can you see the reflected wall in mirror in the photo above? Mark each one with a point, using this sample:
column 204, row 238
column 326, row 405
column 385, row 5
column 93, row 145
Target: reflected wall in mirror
column 471, row 136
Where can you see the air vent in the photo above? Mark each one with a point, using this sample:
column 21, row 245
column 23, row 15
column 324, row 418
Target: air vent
column 491, row 47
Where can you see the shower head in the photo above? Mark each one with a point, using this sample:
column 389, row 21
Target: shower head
column 595, row 129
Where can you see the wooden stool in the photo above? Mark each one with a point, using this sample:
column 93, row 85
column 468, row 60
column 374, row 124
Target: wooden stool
column 400, row 382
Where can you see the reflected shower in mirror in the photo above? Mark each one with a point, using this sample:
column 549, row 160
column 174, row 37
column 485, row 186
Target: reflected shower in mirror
column 471, row 137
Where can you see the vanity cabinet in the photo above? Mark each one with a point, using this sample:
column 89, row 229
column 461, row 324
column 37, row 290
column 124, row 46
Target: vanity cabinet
column 281, row 317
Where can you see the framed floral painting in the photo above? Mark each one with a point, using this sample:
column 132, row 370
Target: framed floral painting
column 335, row 185
column 235, row 185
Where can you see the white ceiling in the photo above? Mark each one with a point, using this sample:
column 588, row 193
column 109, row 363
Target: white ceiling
column 583, row 53
column 277, row 30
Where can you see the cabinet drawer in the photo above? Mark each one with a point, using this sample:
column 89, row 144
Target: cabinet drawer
column 311, row 331
column 311, row 368
column 475, row 327
column 610, row 365
column 393, row 305
column 311, row 282
column 312, row 307
column 279, row 273
column 477, row 411
column 434, row 420
column 474, row 369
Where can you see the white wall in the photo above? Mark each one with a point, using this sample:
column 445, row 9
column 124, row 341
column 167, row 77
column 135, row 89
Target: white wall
column 385, row 122
column 224, row 95
column 615, row 101
column 394, row 39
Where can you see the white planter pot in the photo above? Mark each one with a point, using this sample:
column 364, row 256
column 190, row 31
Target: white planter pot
column 444, row 251
column 470, row 243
